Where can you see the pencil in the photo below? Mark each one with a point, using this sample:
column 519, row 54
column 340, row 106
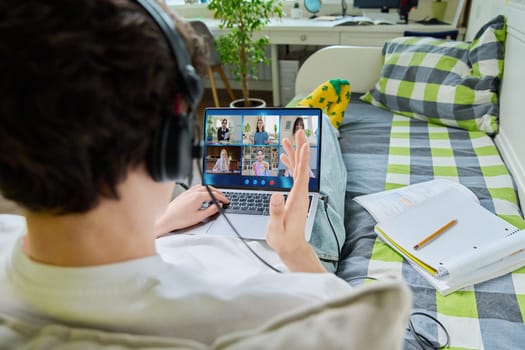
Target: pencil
column 435, row 234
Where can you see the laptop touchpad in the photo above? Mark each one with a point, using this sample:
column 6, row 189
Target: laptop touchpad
column 248, row 226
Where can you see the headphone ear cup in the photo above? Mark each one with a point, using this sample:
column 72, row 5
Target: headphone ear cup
column 171, row 151
column 173, row 145
column 194, row 89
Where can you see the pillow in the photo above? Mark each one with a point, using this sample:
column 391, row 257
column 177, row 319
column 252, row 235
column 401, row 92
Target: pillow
column 332, row 96
column 451, row 83
column 372, row 316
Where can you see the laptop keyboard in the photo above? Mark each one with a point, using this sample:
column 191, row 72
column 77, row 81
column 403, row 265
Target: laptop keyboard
column 252, row 203
column 248, row 203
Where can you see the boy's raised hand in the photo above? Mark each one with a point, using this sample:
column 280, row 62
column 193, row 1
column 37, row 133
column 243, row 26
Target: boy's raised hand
column 286, row 228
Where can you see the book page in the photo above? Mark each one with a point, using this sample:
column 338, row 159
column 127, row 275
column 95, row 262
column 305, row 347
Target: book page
column 382, row 18
column 388, row 204
column 327, row 18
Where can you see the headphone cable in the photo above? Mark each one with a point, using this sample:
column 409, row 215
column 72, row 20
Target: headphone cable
column 243, row 240
column 324, row 198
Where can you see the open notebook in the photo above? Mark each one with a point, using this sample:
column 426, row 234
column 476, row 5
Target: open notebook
column 242, row 158
column 442, row 230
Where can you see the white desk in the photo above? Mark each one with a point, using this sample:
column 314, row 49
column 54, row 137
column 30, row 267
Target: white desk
column 313, row 32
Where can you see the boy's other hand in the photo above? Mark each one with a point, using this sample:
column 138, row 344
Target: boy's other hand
column 187, row 209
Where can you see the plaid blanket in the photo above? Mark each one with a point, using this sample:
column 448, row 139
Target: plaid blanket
column 384, row 151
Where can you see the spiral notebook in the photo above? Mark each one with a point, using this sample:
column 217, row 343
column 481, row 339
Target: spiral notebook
column 475, row 246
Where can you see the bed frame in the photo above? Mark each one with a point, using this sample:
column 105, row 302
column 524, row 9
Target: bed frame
column 346, row 62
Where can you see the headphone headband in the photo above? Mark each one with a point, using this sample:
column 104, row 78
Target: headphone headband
column 174, row 143
column 191, row 81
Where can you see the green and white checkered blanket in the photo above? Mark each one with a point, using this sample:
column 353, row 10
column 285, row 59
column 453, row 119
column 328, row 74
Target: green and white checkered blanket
column 384, row 151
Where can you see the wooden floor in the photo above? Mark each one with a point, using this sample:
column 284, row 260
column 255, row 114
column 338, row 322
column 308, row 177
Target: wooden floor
column 8, row 207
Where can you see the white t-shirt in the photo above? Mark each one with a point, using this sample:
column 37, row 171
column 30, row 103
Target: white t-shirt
column 197, row 287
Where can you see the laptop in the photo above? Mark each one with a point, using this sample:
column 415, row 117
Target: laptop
column 241, row 157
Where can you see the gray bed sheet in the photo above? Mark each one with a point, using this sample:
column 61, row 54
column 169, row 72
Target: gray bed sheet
column 497, row 308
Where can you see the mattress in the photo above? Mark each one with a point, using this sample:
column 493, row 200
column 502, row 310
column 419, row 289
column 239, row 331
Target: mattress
column 384, row 151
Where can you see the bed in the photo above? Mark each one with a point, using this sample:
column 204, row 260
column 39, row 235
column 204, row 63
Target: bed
column 384, row 150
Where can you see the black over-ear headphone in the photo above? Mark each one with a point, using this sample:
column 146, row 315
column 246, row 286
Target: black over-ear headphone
column 175, row 143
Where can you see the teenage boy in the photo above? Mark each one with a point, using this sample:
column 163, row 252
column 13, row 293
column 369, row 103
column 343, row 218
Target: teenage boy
column 85, row 86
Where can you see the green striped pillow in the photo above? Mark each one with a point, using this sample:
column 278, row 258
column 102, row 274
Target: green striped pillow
column 451, row 83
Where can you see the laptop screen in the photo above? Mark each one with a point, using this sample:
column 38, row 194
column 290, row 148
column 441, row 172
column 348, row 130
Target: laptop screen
column 243, row 146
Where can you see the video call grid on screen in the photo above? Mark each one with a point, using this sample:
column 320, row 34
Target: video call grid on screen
column 235, row 156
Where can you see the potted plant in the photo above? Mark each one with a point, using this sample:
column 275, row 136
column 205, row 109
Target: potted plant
column 308, row 133
column 238, row 48
column 247, row 129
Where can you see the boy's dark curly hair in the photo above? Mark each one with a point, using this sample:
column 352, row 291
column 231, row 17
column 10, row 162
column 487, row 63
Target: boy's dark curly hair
column 82, row 87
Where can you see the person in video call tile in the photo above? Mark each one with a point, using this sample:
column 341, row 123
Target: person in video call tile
column 298, row 124
column 223, row 134
column 261, row 167
column 261, row 136
column 223, row 163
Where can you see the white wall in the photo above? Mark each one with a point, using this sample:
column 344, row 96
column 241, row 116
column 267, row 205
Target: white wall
column 482, row 11
column 328, row 7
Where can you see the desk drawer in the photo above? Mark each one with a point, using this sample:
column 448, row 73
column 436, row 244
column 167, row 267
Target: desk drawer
column 367, row 38
column 304, row 38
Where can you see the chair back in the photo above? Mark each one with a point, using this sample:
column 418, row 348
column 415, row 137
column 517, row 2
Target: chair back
column 202, row 30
